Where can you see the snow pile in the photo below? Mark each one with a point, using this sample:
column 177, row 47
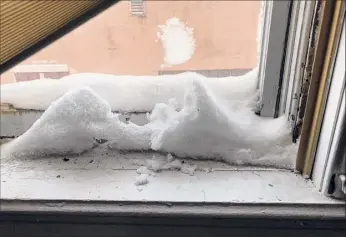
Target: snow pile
column 205, row 128
column 125, row 93
column 187, row 119
column 76, row 122
column 177, row 41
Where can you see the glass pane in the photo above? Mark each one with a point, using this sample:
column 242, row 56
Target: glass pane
column 133, row 57
column 214, row 38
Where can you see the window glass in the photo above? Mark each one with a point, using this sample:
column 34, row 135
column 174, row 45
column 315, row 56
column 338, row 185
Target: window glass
column 214, row 38
column 187, row 69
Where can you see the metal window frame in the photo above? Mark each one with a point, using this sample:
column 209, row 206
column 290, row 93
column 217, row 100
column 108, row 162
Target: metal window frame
column 298, row 42
column 274, row 39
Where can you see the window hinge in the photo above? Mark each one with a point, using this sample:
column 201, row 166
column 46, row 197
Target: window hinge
column 342, row 180
column 337, row 187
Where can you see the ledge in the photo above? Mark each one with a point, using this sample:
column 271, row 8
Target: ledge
column 176, row 209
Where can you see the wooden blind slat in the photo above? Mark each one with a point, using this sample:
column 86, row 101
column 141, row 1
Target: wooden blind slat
column 23, row 23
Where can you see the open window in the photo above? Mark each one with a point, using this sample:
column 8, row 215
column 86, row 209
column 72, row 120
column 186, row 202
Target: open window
column 243, row 87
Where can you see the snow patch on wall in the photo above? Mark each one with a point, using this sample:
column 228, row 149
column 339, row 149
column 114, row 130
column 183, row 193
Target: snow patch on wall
column 177, row 41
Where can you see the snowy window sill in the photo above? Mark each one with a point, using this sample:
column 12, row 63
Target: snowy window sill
column 111, row 178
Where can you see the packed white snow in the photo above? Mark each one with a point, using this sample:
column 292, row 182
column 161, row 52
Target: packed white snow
column 142, row 179
column 125, row 93
column 177, row 41
column 207, row 128
column 74, row 123
column 204, row 128
column 157, row 164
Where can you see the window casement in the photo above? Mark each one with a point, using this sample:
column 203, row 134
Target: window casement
column 301, row 77
column 309, row 63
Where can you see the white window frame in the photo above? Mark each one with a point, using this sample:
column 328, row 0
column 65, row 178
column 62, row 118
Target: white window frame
column 300, row 27
column 276, row 19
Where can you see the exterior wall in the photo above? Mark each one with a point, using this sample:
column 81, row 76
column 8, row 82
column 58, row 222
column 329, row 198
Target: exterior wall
column 119, row 43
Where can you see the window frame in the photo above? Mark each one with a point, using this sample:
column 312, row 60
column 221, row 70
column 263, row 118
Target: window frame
column 277, row 16
column 327, row 158
column 317, row 74
column 268, row 109
column 164, row 219
column 298, row 43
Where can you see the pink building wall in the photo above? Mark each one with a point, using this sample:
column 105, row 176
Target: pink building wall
column 118, row 42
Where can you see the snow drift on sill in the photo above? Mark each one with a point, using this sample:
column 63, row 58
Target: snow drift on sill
column 125, row 93
column 74, row 123
column 206, row 128
column 203, row 129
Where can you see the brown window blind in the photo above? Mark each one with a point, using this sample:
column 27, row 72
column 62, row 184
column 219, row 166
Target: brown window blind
column 24, row 23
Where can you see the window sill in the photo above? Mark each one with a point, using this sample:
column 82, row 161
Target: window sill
column 111, row 177
column 100, row 199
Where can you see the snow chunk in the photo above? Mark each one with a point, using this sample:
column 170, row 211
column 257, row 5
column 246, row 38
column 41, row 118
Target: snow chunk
column 157, row 164
column 169, row 163
column 170, row 158
column 143, row 170
column 177, row 41
column 187, row 169
column 142, row 179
